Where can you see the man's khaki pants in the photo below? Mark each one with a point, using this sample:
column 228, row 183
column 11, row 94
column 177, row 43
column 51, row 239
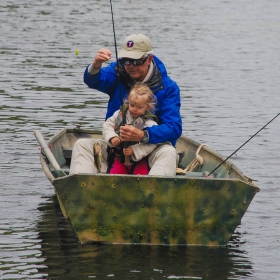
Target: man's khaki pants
column 162, row 160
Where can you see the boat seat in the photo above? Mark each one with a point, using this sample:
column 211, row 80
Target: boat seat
column 67, row 153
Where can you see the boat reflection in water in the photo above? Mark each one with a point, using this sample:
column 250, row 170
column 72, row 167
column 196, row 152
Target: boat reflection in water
column 65, row 258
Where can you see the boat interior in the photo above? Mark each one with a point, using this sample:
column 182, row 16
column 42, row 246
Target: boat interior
column 194, row 160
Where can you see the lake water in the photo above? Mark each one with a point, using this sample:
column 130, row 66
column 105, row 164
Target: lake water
column 224, row 55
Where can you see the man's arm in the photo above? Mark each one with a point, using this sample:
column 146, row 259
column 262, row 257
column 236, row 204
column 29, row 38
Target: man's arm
column 101, row 56
column 102, row 79
column 170, row 121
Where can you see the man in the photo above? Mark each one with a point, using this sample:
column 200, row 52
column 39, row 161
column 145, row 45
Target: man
column 136, row 64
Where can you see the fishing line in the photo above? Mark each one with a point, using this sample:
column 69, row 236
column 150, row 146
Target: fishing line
column 118, row 66
column 127, row 161
column 244, row 144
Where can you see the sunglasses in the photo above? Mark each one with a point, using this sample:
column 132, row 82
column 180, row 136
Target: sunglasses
column 135, row 62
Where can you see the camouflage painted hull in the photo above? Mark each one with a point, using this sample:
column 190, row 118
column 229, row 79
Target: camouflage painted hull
column 185, row 209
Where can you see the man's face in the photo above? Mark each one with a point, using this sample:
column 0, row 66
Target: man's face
column 139, row 72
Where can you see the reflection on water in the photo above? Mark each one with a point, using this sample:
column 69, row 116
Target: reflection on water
column 61, row 251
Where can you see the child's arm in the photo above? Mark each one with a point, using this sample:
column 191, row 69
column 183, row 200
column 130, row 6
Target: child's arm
column 108, row 130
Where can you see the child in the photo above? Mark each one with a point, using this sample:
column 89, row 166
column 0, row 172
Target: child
column 131, row 157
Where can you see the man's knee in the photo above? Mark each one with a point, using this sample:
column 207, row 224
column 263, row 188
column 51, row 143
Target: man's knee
column 163, row 161
column 83, row 143
column 164, row 151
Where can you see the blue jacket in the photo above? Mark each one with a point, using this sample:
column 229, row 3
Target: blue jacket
column 166, row 90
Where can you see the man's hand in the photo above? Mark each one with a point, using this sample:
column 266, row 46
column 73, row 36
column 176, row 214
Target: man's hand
column 101, row 56
column 131, row 133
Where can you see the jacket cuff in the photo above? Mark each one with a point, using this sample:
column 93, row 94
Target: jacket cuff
column 93, row 71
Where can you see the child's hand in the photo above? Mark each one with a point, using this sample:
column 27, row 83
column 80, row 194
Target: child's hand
column 128, row 152
column 115, row 141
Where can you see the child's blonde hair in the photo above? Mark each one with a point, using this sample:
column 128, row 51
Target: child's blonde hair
column 142, row 90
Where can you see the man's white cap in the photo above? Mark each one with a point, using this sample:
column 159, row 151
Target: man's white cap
column 135, row 46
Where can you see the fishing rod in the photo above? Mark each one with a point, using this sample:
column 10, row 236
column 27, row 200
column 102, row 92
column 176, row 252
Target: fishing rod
column 127, row 160
column 243, row 144
column 118, row 66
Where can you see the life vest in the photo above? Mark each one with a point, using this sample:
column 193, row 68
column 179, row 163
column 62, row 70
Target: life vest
column 139, row 123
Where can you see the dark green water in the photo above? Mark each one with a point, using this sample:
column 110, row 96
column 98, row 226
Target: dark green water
column 224, row 55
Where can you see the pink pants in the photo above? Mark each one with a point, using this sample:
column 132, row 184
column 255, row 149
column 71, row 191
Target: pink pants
column 140, row 168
